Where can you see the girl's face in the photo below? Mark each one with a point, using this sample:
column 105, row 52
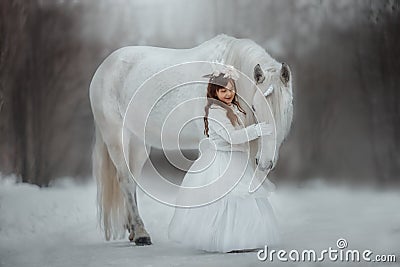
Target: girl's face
column 226, row 94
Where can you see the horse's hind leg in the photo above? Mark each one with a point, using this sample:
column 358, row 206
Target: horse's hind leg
column 137, row 158
column 137, row 232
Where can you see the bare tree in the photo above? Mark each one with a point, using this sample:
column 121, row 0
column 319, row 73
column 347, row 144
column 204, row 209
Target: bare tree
column 44, row 91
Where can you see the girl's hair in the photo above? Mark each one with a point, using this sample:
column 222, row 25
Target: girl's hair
column 215, row 84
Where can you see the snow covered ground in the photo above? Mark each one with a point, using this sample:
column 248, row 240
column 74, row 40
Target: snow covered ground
column 57, row 226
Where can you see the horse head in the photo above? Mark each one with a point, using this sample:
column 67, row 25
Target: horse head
column 270, row 98
column 272, row 102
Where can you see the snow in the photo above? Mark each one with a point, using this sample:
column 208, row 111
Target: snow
column 57, row 226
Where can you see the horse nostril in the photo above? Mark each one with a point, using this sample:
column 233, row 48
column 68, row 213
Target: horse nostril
column 256, row 161
column 271, row 164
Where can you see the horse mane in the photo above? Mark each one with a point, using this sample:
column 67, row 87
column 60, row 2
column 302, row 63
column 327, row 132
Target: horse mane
column 280, row 100
column 228, row 47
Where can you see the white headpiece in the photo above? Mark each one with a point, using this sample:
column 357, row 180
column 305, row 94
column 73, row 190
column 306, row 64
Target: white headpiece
column 219, row 67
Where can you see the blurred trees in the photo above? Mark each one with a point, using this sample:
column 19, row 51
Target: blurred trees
column 15, row 19
column 377, row 71
column 347, row 100
column 44, row 91
column 343, row 54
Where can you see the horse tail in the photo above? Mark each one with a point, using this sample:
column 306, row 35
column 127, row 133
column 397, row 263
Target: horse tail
column 111, row 207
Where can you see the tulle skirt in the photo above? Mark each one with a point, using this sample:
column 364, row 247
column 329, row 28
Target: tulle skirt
column 238, row 220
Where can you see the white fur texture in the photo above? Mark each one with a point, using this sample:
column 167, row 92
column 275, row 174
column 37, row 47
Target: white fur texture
column 126, row 72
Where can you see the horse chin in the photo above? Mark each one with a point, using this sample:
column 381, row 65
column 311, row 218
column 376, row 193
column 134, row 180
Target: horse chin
column 259, row 178
column 265, row 158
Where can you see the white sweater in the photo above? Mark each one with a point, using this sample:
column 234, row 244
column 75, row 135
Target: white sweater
column 224, row 135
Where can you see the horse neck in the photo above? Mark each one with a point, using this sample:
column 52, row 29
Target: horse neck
column 234, row 52
column 215, row 49
column 244, row 55
column 238, row 55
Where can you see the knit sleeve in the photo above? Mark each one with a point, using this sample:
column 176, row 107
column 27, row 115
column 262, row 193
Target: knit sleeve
column 220, row 123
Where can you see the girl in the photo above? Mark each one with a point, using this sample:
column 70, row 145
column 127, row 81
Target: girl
column 239, row 221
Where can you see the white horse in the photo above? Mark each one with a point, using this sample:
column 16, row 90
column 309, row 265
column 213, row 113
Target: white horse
column 127, row 84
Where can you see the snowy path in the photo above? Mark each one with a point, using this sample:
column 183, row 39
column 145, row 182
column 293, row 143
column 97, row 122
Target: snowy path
column 57, row 227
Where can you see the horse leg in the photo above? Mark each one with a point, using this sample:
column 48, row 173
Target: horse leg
column 137, row 158
column 126, row 185
column 137, row 231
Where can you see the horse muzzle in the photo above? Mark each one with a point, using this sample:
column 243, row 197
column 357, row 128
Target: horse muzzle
column 264, row 167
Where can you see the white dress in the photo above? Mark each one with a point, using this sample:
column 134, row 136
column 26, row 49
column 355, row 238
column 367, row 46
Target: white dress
column 238, row 219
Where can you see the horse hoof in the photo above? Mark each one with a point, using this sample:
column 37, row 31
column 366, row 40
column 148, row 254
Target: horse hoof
column 143, row 241
column 131, row 236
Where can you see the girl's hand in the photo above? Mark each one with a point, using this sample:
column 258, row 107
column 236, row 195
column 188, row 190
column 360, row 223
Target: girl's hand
column 264, row 128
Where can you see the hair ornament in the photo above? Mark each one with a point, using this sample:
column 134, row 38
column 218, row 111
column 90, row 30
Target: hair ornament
column 219, row 67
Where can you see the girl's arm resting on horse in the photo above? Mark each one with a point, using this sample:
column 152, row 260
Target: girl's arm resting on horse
column 238, row 136
column 224, row 128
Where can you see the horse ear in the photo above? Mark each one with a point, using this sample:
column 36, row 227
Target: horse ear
column 258, row 74
column 285, row 74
